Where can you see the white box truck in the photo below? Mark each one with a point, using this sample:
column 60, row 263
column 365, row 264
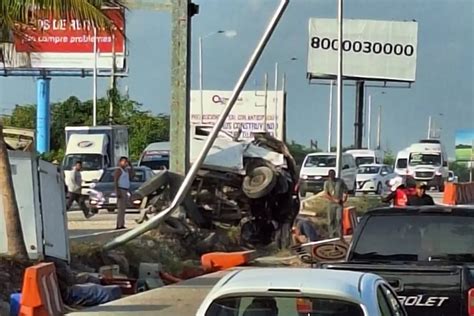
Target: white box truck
column 98, row 148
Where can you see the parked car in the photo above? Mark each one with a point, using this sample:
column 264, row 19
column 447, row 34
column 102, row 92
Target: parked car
column 316, row 168
column 102, row 193
column 300, row 292
column 373, row 178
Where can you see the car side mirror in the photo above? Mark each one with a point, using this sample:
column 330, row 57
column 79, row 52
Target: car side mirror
column 445, row 163
column 384, row 173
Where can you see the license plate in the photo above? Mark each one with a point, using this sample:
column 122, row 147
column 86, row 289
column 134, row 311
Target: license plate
column 112, row 200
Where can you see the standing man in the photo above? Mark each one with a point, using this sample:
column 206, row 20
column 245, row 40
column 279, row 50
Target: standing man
column 74, row 187
column 123, row 174
column 420, row 198
column 336, row 191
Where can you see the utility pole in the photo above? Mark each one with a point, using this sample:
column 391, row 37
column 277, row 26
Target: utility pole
column 379, row 128
column 94, row 79
column 429, row 127
column 359, row 115
column 369, row 122
column 265, row 129
column 182, row 12
column 330, row 116
column 113, row 83
column 340, row 128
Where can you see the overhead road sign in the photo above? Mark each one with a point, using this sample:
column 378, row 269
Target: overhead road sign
column 61, row 44
column 373, row 50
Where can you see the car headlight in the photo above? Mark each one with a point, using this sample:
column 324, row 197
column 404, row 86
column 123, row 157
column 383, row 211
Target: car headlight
column 438, row 173
column 96, row 194
column 304, row 177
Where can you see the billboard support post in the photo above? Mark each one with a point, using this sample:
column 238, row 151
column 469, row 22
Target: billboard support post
column 276, row 99
column 42, row 115
column 94, row 84
column 359, row 115
column 369, row 122
column 330, row 116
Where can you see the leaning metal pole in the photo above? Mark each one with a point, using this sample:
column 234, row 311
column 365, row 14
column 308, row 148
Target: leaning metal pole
column 339, row 89
column 188, row 180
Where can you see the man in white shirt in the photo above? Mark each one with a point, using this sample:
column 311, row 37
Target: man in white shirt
column 74, row 186
column 123, row 174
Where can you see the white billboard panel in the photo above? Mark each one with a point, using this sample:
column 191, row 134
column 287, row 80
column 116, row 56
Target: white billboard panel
column 378, row 50
column 248, row 112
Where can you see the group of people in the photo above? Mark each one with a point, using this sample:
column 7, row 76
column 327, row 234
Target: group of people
column 122, row 178
column 404, row 192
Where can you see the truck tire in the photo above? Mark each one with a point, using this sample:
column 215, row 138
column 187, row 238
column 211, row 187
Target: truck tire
column 259, row 182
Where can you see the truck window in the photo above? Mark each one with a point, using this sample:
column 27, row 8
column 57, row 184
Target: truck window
column 426, row 237
column 402, row 163
column 425, row 159
column 364, row 160
column 89, row 161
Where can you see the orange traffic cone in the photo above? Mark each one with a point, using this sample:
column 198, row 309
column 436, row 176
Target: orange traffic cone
column 40, row 294
column 218, row 261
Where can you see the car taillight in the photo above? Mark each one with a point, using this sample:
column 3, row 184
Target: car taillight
column 470, row 302
column 304, row 306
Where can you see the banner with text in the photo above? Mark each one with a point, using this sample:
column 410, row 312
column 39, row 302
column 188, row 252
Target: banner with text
column 66, row 44
column 248, row 113
column 378, row 50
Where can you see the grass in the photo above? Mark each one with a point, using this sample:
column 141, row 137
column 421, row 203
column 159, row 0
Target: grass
column 464, row 154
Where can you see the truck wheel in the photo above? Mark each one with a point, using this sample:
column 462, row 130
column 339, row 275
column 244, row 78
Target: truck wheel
column 259, row 182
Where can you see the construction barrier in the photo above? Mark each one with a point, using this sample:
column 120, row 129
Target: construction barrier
column 458, row 193
column 349, row 220
column 40, row 295
column 218, row 261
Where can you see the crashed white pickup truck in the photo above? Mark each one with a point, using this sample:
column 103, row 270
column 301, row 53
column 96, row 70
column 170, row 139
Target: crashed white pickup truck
column 250, row 185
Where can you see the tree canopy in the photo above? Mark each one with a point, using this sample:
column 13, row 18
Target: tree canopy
column 143, row 126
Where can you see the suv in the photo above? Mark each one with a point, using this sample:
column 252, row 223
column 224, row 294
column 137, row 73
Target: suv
column 315, row 170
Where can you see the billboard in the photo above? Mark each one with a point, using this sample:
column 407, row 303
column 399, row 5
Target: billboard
column 377, row 50
column 465, row 145
column 66, row 44
column 248, row 112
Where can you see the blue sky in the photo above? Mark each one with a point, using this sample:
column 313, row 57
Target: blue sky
column 444, row 86
column 465, row 137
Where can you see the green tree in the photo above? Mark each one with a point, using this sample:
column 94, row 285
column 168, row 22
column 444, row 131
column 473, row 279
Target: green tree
column 299, row 152
column 389, row 158
column 461, row 170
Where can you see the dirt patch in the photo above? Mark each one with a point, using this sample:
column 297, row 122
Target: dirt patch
column 11, row 276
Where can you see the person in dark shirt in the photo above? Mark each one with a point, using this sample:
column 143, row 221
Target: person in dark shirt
column 420, row 198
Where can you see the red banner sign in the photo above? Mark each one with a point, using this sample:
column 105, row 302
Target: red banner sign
column 54, row 35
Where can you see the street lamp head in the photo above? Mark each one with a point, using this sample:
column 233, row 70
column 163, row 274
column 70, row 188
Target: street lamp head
column 230, row 33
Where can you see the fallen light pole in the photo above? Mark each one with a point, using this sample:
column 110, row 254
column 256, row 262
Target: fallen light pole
column 340, row 129
column 187, row 182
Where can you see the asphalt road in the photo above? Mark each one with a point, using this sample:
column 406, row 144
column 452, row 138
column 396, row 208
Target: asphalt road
column 103, row 222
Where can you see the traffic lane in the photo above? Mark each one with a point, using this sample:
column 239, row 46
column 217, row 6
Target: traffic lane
column 104, row 221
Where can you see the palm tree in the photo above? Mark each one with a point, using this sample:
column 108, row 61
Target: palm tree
column 15, row 16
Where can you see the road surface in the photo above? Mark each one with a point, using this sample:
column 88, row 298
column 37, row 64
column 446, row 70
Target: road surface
column 103, row 222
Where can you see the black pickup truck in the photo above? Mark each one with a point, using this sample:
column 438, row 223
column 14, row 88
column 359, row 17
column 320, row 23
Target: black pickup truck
column 426, row 254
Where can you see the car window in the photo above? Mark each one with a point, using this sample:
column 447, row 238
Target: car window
column 402, row 163
column 383, row 303
column 280, row 305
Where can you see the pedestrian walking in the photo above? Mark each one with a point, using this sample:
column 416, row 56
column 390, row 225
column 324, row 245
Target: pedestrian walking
column 420, row 198
column 123, row 174
column 74, row 188
column 336, row 191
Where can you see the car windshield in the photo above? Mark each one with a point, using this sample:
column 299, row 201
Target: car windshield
column 320, row 161
column 425, row 159
column 368, row 170
column 279, row 305
column 364, row 160
column 108, row 176
column 89, row 161
column 402, row 163
column 425, row 237
column 156, row 160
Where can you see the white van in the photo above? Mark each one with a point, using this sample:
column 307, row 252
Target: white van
column 401, row 162
column 315, row 170
column 156, row 156
column 366, row 156
column 428, row 162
